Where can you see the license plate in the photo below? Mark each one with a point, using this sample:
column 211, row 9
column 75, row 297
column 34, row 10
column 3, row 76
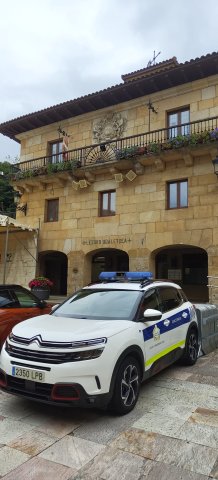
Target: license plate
column 28, row 374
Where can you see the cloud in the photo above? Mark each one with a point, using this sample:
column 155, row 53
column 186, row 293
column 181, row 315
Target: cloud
column 54, row 51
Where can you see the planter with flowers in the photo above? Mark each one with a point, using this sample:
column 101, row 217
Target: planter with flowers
column 40, row 286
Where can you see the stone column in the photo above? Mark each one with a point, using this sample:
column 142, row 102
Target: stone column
column 139, row 259
column 76, row 272
column 213, row 273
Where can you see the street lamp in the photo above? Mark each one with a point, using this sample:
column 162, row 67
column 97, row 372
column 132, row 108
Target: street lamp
column 17, row 197
column 215, row 165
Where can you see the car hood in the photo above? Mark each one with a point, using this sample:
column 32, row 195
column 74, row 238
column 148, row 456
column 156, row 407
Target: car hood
column 64, row 329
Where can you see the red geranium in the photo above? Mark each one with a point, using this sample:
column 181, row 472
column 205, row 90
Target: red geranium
column 40, row 282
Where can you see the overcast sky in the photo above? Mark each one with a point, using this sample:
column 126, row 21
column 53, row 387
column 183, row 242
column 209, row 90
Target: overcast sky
column 56, row 50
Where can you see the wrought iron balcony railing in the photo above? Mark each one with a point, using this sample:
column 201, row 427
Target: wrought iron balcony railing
column 149, row 143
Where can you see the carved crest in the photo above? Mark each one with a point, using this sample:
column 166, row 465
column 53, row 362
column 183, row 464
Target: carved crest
column 111, row 126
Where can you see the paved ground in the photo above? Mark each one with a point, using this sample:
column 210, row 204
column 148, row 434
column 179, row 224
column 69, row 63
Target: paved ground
column 172, row 434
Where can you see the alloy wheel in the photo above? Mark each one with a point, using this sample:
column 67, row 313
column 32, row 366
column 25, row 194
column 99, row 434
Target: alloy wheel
column 129, row 385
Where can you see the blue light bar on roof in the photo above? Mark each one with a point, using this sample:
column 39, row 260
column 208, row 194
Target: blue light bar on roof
column 129, row 276
column 138, row 276
column 108, row 276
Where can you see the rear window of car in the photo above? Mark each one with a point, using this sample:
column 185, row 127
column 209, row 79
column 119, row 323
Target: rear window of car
column 170, row 298
column 101, row 304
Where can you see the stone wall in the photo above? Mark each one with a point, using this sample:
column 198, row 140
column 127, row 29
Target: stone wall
column 21, row 257
column 201, row 96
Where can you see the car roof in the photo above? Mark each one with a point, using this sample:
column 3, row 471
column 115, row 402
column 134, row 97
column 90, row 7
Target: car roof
column 11, row 285
column 131, row 285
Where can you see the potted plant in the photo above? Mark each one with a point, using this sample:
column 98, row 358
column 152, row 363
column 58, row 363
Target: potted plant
column 40, row 286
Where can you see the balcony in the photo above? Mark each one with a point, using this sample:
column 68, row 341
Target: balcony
column 120, row 154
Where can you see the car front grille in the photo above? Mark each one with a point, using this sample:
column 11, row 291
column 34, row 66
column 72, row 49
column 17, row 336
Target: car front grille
column 40, row 391
column 51, row 344
column 40, row 356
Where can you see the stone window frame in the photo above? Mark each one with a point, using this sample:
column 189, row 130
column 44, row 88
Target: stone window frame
column 179, row 203
column 176, row 129
column 55, row 156
column 106, row 195
column 52, row 210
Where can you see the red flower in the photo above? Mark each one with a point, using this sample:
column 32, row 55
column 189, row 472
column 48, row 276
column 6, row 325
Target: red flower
column 40, row 282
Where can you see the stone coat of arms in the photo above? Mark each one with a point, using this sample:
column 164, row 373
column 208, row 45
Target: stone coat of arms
column 109, row 127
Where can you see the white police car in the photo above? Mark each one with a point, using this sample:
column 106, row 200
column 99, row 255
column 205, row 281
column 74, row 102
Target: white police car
column 97, row 347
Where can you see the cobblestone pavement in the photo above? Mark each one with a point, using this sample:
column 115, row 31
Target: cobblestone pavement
column 172, row 434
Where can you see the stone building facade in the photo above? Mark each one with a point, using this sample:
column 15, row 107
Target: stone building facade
column 124, row 179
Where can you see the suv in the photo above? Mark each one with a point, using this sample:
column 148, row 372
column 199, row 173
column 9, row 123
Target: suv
column 97, row 347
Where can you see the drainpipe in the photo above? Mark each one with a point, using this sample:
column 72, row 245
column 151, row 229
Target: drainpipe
column 6, row 251
column 37, row 250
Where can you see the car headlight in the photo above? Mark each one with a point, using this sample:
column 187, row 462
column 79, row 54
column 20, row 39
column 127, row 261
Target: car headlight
column 87, row 354
column 88, row 343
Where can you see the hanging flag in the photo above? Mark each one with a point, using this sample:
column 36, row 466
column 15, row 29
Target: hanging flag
column 65, row 146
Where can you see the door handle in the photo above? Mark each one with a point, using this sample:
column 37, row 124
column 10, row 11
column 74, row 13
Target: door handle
column 166, row 322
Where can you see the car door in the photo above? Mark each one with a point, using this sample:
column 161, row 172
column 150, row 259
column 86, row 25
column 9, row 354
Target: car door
column 175, row 316
column 8, row 312
column 154, row 342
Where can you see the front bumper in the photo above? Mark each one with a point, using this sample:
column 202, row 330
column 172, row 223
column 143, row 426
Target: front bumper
column 62, row 394
column 82, row 383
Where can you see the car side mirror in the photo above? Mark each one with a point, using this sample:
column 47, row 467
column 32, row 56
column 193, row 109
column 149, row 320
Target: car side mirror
column 152, row 315
column 54, row 307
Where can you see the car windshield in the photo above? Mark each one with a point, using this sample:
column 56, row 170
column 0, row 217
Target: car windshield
column 101, row 304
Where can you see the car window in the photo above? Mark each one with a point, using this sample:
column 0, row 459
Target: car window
column 150, row 300
column 183, row 295
column 101, row 304
column 25, row 298
column 169, row 298
column 7, row 298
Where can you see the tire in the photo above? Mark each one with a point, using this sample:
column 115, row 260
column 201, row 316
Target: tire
column 126, row 387
column 191, row 348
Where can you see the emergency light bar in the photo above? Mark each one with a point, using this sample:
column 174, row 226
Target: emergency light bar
column 138, row 276
column 111, row 276
column 122, row 276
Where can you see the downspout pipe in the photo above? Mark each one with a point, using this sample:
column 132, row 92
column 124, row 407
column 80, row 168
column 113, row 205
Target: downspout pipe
column 5, row 252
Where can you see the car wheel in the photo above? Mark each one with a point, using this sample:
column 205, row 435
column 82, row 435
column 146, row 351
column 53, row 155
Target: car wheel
column 191, row 348
column 127, row 386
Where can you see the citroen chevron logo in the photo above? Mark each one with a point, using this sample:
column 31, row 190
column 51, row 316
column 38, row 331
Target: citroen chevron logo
column 37, row 339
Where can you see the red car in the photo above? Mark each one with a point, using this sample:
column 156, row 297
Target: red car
column 17, row 304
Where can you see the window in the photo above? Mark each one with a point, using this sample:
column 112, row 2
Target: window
column 7, row 299
column 175, row 120
column 26, row 299
column 102, row 304
column 51, row 210
column 149, row 301
column 55, row 151
column 107, row 203
column 169, row 298
column 177, row 194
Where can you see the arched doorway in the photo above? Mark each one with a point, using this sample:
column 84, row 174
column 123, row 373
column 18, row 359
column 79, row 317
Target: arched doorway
column 109, row 260
column 54, row 266
column 187, row 266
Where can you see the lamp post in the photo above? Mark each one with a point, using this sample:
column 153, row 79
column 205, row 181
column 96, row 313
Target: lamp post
column 215, row 165
column 17, row 197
